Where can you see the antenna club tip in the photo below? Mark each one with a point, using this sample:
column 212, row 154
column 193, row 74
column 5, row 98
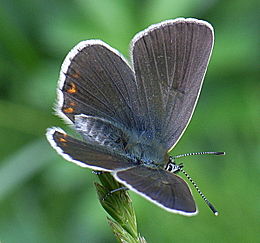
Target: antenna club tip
column 220, row 153
column 212, row 208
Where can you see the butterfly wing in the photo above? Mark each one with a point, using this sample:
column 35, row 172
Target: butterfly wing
column 95, row 80
column 90, row 154
column 170, row 60
column 165, row 189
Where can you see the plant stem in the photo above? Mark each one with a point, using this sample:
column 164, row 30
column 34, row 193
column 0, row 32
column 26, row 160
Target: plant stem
column 119, row 206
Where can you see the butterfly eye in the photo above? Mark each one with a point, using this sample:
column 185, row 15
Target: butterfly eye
column 168, row 167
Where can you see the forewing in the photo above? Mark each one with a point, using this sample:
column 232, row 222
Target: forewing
column 170, row 60
column 87, row 154
column 163, row 188
column 96, row 80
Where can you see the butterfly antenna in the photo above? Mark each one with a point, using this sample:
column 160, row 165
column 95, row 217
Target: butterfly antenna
column 199, row 191
column 198, row 153
column 190, row 179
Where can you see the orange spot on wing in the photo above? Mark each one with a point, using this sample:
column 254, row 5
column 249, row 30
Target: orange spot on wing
column 72, row 89
column 75, row 75
column 68, row 110
column 63, row 140
column 72, row 103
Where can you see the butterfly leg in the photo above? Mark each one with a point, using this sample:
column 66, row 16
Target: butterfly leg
column 115, row 190
column 96, row 172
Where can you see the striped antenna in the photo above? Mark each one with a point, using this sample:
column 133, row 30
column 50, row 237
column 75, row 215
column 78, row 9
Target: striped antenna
column 198, row 153
column 199, row 191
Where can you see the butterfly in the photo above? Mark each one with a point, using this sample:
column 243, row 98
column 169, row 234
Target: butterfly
column 131, row 115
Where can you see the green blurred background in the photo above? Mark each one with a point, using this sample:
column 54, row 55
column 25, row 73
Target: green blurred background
column 46, row 199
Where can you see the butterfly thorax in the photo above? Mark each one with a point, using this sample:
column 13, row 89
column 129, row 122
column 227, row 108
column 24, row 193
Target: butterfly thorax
column 139, row 146
column 146, row 150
